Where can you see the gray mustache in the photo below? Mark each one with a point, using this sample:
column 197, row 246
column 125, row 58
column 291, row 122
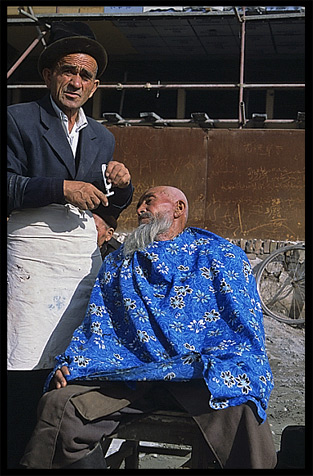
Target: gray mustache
column 145, row 215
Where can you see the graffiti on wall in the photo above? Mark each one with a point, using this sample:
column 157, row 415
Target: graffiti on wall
column 239, row 183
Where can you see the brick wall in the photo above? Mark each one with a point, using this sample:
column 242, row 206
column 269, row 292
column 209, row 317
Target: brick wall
column 260, row 248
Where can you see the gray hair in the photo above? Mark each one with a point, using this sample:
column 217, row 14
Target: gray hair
column 146, row 233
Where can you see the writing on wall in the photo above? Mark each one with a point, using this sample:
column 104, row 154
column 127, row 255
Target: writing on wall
column 239, row 183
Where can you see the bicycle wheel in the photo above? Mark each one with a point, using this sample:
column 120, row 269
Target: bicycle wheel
column 281, row 284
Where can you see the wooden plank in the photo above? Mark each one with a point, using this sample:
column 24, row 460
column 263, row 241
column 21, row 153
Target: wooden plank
column 68, row 9
column 91, row 9
column 43, row 10
column 13, row 11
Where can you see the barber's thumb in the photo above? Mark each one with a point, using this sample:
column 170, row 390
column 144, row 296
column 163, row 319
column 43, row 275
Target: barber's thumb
column 104, row 200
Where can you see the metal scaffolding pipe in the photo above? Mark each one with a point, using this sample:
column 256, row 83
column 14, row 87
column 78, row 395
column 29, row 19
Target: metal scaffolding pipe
column 189, row 122
column 274, row 86
column 148, row 86
column 25, row 54
column 149, row 15
column 26, row 86
column 43, row 41
column 242, row 68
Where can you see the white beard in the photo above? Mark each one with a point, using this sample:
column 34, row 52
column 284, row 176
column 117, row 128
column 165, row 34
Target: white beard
column 145, row 234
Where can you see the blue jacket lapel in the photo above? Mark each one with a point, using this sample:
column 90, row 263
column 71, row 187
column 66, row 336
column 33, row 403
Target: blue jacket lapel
column 55, row 135
column 88, row 151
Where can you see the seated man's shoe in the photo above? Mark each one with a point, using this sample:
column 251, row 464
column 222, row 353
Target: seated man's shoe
column 93, row 460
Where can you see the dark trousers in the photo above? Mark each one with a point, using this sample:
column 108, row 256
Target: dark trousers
column 73, row 419
column 24, row 389
column 78, row 436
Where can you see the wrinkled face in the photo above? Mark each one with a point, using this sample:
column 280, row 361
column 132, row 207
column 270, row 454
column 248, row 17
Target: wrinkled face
column 155, row 202
column 104, row 232
column 72, row 81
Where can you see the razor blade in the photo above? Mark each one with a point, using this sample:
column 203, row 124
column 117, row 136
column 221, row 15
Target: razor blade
column 107, row 186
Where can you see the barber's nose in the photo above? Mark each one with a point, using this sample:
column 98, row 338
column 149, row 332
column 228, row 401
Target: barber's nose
column 76, row 80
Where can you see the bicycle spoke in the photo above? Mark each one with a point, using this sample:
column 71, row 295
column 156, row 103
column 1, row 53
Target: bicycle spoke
column 281, row 284
column 279, row 295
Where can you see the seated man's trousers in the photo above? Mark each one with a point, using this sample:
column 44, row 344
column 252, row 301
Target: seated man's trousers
column 71, row 420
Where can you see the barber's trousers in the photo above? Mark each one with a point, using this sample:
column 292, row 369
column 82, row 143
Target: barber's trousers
column 73, row 419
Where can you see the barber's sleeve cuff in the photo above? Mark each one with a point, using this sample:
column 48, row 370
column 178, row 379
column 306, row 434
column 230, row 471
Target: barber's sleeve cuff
column 42, row 191
column 122, row 196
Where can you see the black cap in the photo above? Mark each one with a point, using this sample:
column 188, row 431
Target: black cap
column 110, row 220
column 68, row 38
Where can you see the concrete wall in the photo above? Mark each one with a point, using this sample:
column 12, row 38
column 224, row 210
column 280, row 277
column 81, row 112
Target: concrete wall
column 245, row 184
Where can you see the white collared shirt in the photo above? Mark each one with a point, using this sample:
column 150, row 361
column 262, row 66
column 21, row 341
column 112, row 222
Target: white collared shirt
column 80, row 123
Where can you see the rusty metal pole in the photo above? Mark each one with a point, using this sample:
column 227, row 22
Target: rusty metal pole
column 43, row 41
column 241, row 117
column 25, row 54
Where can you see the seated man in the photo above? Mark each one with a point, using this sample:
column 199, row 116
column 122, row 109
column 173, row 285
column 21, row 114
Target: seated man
column 106, row 226
column 174, row 321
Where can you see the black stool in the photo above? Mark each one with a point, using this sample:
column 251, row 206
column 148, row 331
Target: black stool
column 172, row 428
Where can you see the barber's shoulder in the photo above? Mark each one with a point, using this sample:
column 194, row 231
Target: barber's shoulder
column 97, row 125
column 99, row 128
column 23, row 108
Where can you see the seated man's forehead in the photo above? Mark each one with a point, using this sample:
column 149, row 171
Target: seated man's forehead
column 144, row 197
column 154, row 192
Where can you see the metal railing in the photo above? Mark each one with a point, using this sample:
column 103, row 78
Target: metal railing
column 241, row 86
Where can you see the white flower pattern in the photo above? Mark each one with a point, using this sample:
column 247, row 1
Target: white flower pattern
column 180, row 309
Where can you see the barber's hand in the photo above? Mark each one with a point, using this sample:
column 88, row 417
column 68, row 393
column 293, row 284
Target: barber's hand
column 59, row 379
column 83, row 195
column 117, row 174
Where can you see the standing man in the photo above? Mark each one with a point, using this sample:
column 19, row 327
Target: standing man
column 55, row 154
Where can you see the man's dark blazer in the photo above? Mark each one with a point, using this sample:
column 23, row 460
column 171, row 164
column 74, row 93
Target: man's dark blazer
column 109, row 247
column 40, row 157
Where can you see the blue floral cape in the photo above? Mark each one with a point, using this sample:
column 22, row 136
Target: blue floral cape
column 180, row 309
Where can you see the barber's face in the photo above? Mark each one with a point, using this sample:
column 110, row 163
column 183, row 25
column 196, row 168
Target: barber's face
column 72, row 81
column 154, row 203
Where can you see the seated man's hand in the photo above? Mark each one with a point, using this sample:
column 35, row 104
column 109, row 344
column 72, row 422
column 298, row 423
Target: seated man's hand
column 117, row 174
column 59, row 379
column 83, row 195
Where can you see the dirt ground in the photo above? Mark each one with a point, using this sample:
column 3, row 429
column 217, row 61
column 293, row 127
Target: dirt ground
column 285, row 349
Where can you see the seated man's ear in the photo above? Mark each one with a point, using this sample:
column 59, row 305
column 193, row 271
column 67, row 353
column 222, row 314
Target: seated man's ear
column 179, row 209
column 109, row 233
